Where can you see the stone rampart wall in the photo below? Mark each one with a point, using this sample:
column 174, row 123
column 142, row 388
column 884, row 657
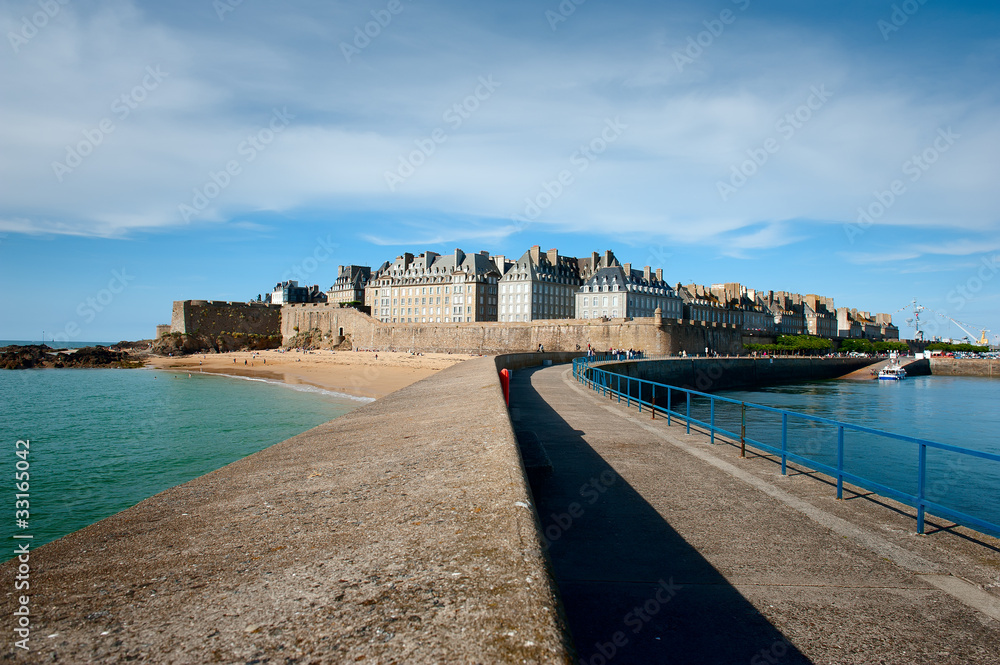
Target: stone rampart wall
column 213, row 318
column 490, row 338
column 963, row 367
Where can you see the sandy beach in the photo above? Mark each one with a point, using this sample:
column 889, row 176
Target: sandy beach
column 358, row 373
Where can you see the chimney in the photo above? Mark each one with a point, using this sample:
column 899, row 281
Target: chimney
column 646, row 274
column 628, row 270
column 459, row 257
column 499, row 260
column 607, row 258
column 484, row 253
column 659, row 274
column 340, row 270
column 553, row 256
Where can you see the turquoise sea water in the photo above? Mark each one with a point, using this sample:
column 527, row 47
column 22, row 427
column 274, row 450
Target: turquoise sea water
column 102, row 440
column 961, row 411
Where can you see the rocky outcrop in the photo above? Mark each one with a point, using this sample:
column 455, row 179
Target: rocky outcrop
column 41, row 356
column 182, row 344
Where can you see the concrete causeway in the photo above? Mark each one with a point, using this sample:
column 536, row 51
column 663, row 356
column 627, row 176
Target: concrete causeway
column 667, row 549
column 406, row 532
column 398, row 533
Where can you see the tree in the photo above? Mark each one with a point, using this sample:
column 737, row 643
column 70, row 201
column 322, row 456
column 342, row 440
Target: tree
column 889, row 346
column 857, row 346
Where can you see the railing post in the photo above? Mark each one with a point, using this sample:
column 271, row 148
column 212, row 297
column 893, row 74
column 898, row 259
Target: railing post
column 628, row 397
column 921, row 480
column 784, row 444
column 652, row 403
column 840, row 461
column 711, row 420
column 743, row 429
column 668, row 406
column 688, row 414
column 619, row 388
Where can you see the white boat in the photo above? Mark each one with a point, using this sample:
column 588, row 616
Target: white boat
column 891, row 373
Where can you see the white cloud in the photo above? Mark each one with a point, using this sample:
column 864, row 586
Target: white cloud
column 686, row 131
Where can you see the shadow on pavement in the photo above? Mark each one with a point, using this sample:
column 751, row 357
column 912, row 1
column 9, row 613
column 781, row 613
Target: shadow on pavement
column 634, row 590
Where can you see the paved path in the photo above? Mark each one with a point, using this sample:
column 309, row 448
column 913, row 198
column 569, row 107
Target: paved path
column 668, row 549
column 397, row 533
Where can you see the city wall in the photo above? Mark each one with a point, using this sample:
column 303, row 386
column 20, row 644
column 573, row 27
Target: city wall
column 710, row 374
column 213, row 318
column 490, row 338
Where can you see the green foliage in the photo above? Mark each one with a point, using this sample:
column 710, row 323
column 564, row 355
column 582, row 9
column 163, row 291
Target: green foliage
column 952, row 348
column 857, row 346
column 887, row 346
column 794, row 344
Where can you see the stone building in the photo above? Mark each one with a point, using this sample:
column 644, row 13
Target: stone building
column 848, row 327
column 702, row 304
column 350, row 285
column 539, row 286
column 820, row 316
column 435, row 288
column 621, row 292
column 750, row 312
column 285, row 293
column 888, row 329
column 855, row 324
column 788, row 312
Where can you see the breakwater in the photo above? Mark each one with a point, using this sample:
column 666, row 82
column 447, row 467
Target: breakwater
column 711, row 374
column 965, row 367
column 402, row 531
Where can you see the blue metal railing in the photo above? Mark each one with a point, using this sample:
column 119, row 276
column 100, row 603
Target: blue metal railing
column 634, row 390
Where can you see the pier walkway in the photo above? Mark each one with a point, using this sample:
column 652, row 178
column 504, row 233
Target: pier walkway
column 666, row 548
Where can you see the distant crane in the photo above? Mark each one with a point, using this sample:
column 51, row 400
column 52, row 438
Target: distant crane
column 981, row 340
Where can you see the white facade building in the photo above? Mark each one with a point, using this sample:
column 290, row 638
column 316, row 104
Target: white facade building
column 621, row 292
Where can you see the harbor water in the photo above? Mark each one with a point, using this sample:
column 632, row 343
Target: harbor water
column 961, row 411
column 102, row 440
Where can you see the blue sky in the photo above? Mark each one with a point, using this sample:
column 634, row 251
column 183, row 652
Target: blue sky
column 154, row 152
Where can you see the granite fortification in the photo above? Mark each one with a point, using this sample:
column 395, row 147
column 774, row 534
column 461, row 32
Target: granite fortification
column 653, row 335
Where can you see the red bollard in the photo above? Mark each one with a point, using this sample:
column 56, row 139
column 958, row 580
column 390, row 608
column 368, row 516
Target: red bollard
column 505, row 385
